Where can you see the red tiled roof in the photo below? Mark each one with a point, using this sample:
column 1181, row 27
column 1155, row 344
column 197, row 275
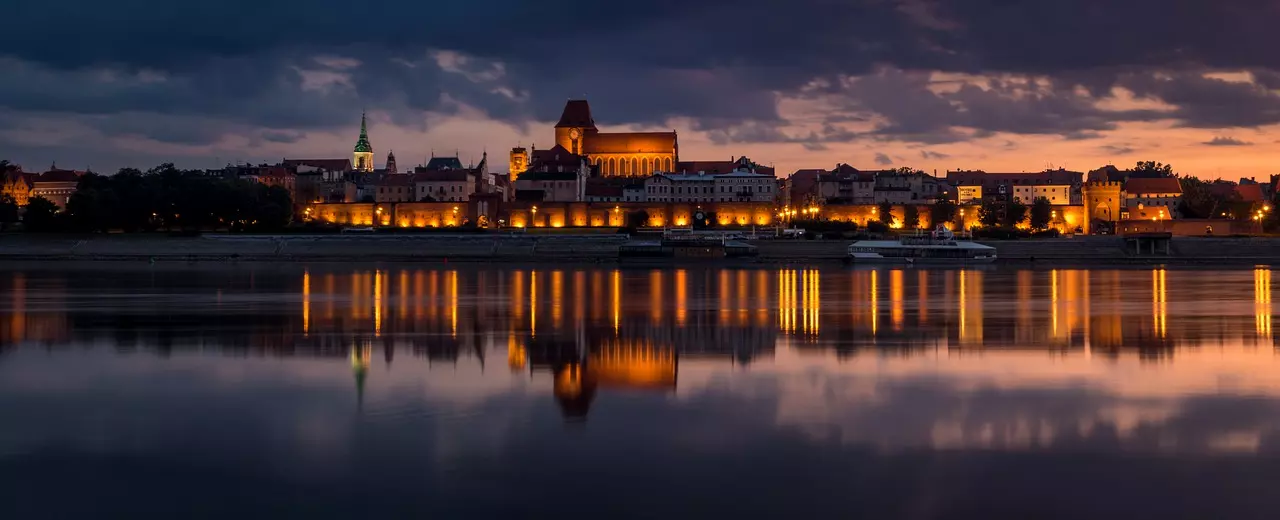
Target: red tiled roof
column 576, row 113
column 1137, row 186
column 556, row 156
column 631, row 142
column 58, row 176
column 337, row 165
column 716, row 167
column 1250, row 192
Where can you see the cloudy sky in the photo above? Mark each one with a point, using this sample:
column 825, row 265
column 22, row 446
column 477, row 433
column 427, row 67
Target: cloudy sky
column 1000, row 85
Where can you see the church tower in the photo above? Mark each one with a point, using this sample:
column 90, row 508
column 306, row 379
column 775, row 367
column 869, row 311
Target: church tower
column 362, row 158
column 575, row 126
column 519, row 162
column 391, row 162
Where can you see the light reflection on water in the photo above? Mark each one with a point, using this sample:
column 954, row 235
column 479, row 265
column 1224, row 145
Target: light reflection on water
column 314, row 371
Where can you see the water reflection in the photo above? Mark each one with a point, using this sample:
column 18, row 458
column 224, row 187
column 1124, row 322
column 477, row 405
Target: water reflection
column 578, row 333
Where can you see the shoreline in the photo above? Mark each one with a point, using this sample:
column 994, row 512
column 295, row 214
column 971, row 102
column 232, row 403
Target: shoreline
column 582, row 249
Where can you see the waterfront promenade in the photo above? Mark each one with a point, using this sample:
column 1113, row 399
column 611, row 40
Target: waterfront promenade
column 572, row 248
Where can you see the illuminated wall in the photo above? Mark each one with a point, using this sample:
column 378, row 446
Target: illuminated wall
column 1065, row 218
column 405, row 215
column 604, row 214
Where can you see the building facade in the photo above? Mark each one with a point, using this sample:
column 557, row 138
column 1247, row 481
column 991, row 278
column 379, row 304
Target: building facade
column 1057, row 195
column 1005, row 184
column 444, row 185
column 1151, row 198
column 56, row 186
column 738, row 186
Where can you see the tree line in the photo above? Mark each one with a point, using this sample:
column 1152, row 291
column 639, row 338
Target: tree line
column 162, row 198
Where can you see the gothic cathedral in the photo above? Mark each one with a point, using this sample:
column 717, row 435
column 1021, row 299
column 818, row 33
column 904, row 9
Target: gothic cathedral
column 622, row 154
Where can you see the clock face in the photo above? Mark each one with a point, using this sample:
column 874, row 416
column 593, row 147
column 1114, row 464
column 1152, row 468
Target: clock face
column 573, row 134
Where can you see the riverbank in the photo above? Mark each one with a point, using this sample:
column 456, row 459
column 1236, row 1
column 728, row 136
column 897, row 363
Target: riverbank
column 572, row 248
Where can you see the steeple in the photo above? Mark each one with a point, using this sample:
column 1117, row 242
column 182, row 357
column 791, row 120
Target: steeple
column 362, row 144
column 362, row 157
column 391, row 162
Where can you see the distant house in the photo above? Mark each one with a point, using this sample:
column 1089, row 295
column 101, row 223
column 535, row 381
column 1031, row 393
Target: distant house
column 450, row 185
column 1050, row 184
column 395, row 188
column 722, row 167
column 1154, row 197
column 56, row 185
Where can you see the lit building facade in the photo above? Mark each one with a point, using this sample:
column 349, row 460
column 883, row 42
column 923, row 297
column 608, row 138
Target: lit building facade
column 621, row 154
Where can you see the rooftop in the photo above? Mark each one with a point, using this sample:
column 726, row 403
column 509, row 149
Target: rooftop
column 1143, row 186
column 577, row 113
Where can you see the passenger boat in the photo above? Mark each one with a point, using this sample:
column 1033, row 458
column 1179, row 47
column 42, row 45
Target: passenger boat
column 938, row 247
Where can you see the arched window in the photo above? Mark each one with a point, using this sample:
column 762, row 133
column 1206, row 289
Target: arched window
column 666, row 164
column 612, row 168
column 635, row 166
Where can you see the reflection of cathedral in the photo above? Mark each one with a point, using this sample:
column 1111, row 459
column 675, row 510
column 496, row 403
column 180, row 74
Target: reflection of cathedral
column 621, row 154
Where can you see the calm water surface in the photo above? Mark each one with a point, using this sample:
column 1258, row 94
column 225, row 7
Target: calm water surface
column 362, row 391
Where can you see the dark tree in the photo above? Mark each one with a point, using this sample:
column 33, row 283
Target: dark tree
column 911, row 217
column 943, row 211
column 8, row 209
column 41, row 215
column 1152, row 169
column 1041, row 213
column 1014, row 213
column 989, row 213
column 886, row 213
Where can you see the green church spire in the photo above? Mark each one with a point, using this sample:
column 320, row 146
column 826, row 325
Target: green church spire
column 362, row 145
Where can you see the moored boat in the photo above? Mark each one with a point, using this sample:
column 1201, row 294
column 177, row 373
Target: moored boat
column 938, row 247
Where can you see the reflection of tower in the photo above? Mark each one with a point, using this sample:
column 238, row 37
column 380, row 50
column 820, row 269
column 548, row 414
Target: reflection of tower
column 573, row 390
column 517, row 357
column 1262, row 301
column 360, row 356
column 362, row 157
column 970, row 307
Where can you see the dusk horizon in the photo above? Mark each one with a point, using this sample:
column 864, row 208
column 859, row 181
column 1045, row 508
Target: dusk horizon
column 989, row 85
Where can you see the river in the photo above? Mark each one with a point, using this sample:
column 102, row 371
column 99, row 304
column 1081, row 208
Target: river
column 395, row 390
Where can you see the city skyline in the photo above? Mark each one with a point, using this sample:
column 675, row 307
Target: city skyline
column 985, row 85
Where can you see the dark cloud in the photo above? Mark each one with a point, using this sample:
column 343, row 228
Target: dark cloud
column 926, row 154
column 883, row 160
column 1207, row 102
column 1117, row 149
column 723, row 63
column 1226, row 141
column 282, row 136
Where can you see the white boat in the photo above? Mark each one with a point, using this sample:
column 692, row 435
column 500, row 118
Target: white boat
column 939, row 247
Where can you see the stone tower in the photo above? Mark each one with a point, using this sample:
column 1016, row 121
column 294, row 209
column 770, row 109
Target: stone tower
column 519, row 162
column 391, row 162
column 575, row 126
column 1102, row 202
column 362, row 157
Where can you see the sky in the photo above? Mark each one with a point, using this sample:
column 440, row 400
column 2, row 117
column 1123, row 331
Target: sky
column 997, row 85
